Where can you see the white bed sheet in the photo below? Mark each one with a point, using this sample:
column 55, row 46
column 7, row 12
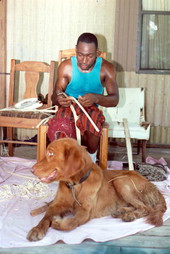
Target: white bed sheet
column 16, row 221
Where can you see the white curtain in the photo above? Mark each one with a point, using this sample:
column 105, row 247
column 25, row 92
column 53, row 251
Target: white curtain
column 155, row 42
column 156, row 5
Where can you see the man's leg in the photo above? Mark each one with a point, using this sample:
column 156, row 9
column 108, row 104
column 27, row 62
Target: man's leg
column 91, row 142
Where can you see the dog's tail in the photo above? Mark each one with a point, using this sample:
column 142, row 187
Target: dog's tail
column 155, row 216
column 156, row 204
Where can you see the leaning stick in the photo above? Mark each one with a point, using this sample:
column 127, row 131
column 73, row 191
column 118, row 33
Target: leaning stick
column 128, row 144
column 40, row 210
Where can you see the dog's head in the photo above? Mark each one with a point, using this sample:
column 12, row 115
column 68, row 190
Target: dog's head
column 64, row 159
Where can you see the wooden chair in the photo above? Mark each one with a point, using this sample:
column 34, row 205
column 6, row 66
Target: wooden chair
column 11, row 118
column 131, row 107
column 67, row 53
column 103, row 150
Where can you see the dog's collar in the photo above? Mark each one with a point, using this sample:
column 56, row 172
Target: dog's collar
column 71, row 185
column 82, row 179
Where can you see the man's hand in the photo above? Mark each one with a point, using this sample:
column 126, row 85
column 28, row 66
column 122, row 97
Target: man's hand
column 64, row 101
column 88, row 99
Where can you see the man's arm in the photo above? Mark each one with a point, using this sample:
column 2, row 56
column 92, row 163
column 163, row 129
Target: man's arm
column 63, row 77
column 108, row 79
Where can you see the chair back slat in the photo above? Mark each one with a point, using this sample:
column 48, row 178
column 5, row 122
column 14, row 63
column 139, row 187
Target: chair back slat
column 67, row 53
column 26, row 79
column 130, row 106
column 31, row 80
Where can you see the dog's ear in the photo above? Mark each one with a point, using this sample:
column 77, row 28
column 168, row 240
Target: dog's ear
column 74, row 161
column 67, row 152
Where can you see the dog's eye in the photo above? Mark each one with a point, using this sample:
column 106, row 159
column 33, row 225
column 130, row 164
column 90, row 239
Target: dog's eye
column 50, row 154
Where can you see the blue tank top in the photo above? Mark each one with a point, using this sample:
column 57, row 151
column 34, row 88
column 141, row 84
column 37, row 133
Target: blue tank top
column 82, row 83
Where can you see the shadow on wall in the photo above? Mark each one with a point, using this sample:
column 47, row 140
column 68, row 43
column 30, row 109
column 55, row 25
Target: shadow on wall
column 119, row 68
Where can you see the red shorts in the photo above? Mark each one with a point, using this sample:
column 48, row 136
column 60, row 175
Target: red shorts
column 63, row 124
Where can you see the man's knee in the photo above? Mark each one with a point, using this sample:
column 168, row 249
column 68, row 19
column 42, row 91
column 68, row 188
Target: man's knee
column 90, row 141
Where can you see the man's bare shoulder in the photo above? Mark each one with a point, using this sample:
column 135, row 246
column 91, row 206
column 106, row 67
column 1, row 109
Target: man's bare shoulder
column 107, row 67
column 65, row 63
column 107, row 64
column 65, row 68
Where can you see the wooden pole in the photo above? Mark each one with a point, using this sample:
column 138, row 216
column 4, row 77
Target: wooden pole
column 128, row 144
column 3, row 6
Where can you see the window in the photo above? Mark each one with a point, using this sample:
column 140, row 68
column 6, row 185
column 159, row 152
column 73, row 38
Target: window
column 153, row 54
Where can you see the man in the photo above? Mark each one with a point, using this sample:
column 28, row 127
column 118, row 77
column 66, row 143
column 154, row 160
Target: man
column 84, row 78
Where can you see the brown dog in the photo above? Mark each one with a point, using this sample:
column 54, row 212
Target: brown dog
column 87, row 192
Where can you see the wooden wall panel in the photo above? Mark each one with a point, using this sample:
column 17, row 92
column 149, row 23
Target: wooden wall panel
column 37, row 30
column 160, row 135
column 124, row 54
column 157, row 94
column 2, row 52
column 126, row 25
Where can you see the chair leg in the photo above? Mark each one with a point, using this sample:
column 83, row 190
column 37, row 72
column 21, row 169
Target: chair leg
column 10, row 137
column 42, row 141
column 103, row 153
column 138, row 146
column 144, row 150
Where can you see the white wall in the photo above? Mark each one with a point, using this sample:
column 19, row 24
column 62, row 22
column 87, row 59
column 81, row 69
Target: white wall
column 38, row 29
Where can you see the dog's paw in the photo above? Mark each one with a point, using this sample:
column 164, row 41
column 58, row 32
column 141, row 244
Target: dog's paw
column 35, row 234
column 128, row 217
column 117, row 213
column 56, row 222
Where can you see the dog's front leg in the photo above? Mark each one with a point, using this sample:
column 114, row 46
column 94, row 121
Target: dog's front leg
column 39, row 231
column 80, row 217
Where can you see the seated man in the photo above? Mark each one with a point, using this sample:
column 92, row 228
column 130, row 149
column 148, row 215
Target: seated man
column 84, row 77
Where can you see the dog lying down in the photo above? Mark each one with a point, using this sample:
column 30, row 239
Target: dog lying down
column 85, row 191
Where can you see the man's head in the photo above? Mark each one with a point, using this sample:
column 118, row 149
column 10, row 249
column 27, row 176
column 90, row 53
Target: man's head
column 86, row 51
column 88, row 38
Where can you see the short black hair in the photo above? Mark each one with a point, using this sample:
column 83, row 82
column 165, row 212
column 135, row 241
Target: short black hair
column 88, row 38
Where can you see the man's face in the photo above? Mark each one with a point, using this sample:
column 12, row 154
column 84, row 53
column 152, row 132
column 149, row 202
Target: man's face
column 86, row 56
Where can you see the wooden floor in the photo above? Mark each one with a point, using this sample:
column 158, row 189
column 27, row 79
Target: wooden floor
column 153, row 241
